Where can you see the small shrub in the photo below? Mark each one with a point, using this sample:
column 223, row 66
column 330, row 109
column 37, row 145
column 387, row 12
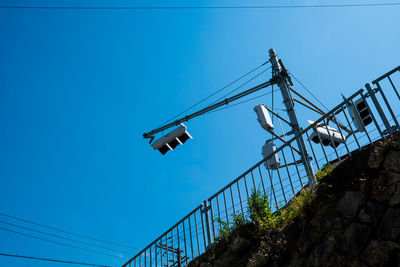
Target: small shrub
column 323, row 172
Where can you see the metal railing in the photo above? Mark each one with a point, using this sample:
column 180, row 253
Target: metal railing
column 191, row 236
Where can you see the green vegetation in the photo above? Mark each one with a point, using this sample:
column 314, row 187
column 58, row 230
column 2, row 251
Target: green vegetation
column 323, row 172
column 260, row 215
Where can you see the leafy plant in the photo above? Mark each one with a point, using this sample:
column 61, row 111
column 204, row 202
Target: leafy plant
column 323, row 172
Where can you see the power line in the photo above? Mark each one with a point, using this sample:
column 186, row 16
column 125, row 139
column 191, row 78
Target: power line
column 242, row 102
column 64, row 231
column 52, row 260
column 237, row 88
column 216, row 92
column 291, row 74
column 201, row 7
column 62, row 237
column 59, row 243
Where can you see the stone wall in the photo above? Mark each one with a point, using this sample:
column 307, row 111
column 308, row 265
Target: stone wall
column 354, row 220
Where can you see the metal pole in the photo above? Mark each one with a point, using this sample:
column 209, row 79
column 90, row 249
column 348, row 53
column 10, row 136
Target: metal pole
column 288, row 101
column 206, row 208
column 378, row 107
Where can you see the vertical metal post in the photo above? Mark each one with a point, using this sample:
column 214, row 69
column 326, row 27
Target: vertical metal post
column 378, row 107
column 207, row 217
column 288, row 101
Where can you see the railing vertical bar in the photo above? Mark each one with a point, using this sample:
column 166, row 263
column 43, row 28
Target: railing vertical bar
column 280, row 179
column 145, row 258
column 226, row 209
column 254, row 183
column 197, row 233
column 372, row 115
column 240, row 197
column 204, row 232
column 212, row 218
column 332, row 141
column 262, row 180
column 352, row 130
column 166, row 247
column 161, row 254
column 312, row 150
column 150, row 258
column 272, row 185
column 287, row 170
column 233, row 203
column 191, row 238
column 323, row 149
column 184, row 240
column 388, row 105
column 341, row 134
column 245, row 185
column 394, row 88
column 219, row 214
column 172, row 245
column 178, row 254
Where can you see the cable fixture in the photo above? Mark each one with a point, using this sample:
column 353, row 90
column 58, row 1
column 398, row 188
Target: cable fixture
column 201, row 7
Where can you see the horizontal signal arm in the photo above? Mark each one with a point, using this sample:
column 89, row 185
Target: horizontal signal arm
column 226, row 101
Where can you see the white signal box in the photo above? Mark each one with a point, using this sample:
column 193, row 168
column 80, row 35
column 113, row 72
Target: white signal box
column 168, row 142
column 326, row 134
column 272, row 162
column 263, row 118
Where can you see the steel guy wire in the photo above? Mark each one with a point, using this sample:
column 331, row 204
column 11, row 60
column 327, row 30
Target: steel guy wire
column 237, row 88
column 60, row 243
column 52, row 260
column 64, row 231
column 61, row 237
column 216, row 92
column 387, row 4
column 242, row 102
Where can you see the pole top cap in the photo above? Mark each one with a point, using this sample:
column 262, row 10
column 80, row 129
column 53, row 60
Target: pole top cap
column 272, row 52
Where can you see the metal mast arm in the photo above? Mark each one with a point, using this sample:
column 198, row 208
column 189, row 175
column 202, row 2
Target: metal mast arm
column 209, row 108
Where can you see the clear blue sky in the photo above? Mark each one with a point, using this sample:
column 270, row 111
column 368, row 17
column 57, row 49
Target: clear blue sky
column 79, row 87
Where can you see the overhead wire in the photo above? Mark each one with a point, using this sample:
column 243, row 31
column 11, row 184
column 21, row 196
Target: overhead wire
column 216, row 92
column 64, row 231
column 302, row 85
column 387, row 4
column 62, row 237
column 59, row 243
column 242, row 102
column 237, row 88
column 52, row 260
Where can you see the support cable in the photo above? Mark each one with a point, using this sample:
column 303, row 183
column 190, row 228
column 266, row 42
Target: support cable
column 242, row 102
column 251, row 79
column 59, row 243
column 52, row 260
column 62, row 237
column 64, row 231
column 302, row 85
column 201, row 7
column 216, row 92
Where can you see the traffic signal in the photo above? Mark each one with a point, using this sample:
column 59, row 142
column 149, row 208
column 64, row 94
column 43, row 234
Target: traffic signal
column 272, row 162
column 168, row 142
column 360, row 114
column 329, row 136
column 263, row 118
